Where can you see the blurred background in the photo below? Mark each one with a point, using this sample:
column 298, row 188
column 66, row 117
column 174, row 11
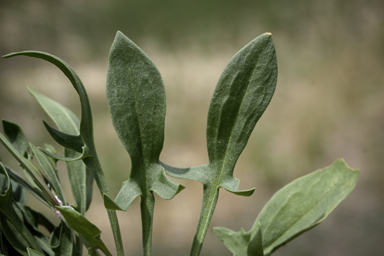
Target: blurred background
column 328, row 104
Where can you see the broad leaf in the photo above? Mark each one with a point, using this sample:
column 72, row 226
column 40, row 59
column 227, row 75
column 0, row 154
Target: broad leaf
column 136, row 98
column 242, row 94
column 296, row 208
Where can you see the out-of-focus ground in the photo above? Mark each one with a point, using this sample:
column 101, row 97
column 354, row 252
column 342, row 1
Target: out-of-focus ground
column 328, row 104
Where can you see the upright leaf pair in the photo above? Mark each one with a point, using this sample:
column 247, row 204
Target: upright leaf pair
column 136, row 98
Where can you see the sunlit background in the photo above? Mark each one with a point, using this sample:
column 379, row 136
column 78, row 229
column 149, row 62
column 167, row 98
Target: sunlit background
column 328, row 105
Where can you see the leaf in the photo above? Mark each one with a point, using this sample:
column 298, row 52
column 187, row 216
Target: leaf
column 255, row 246
column 61, row 240
column 11, row 219
column 49, row 171
column 32, row 171
column 80, row 178
column 89, row 233
column 89, row 154
column 32, row 252
column 236, row 242
column 136, row 99
column 17, row 138
column 32, row 190
column 242, row 94
column 300, row 206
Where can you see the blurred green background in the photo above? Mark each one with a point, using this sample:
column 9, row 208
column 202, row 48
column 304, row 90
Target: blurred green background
column 328, row 104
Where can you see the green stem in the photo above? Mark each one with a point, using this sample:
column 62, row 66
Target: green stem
column 210, row 198
column 147, row 206
column 93, row 164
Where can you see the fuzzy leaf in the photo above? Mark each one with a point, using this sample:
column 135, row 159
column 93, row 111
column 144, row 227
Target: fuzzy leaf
column 298, row 207
column 136, row 99
column 242, row 94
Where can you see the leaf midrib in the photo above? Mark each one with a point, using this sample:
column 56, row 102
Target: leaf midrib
column 223, row 164
column 305, row 213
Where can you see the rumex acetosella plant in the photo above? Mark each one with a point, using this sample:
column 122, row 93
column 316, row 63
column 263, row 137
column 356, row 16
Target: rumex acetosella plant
column 136, row 98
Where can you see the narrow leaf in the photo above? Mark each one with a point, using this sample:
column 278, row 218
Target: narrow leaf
column 32, row 252
column 89, row 154
column 89, row 233
column 80, row 178
column 50, row 172
column 11, row 221
column 73, row 142
column 62, row 240
column 16, row 137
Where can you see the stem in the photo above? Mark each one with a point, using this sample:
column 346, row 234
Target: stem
column 210, row 198
column 147, row 206
column 93, row 164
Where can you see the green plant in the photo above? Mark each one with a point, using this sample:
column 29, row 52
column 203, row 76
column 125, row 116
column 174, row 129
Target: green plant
column 136, row 98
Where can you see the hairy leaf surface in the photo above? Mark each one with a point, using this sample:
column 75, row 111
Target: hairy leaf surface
column 296, row 208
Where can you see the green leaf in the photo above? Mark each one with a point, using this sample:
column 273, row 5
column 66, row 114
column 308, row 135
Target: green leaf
column 49, row 171
column 236, row 242
column 242, row 94
column 255, row 246
column 80, row 178
column 32, row 190
column 298, row 207
column 62, row 240
column 89, row 154
column 11, row 219
column 89, row 233
column 32, row 252
column 136, row 98
column 17, row 138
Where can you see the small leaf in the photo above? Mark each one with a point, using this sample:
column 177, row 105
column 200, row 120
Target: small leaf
column 49, row 171
column 17, row 138
column 62, row 240
column 89, row 233
column 32, row 252
column 73, row 142
column 11, row 219
column 32, row 190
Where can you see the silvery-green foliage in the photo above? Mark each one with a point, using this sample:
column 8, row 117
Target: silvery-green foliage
column 137, row 103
